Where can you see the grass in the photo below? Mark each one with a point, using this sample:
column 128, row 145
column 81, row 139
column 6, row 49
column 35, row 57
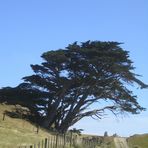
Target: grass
column 138, row 141
column 15, row 132
column 18, row 132
column 108, row 142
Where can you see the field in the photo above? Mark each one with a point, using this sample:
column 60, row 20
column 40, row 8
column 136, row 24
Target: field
column 138, row 141
column 18, row 132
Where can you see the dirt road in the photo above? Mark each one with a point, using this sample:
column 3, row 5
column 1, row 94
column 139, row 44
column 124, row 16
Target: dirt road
column 120, row 142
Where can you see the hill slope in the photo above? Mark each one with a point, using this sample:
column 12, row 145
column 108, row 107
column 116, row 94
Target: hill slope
column 138, row 141
column 19, row 132
column 15, row 132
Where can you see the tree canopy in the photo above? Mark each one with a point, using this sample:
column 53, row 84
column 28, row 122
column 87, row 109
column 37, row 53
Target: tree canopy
column 70, row 80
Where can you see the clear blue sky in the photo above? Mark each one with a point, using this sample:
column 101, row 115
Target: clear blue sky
column 30, row 27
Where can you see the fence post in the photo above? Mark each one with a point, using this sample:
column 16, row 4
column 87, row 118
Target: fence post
column 39, row 145
column 56, row 146
column 45, row 142
column 70, row 138
column 4, row 114
column 51, row 141
column 64, row 144
column 48, row 143
column 42, row 144
column 37, row 130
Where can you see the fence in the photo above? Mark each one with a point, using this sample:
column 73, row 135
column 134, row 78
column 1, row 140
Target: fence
column 64, row 141
column 61, row 140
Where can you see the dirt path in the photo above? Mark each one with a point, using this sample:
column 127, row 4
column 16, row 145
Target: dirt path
column 120, row 142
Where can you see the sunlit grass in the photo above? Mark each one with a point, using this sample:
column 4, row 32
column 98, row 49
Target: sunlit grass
column 15, row 132
column 19, row 132
column 138, row 141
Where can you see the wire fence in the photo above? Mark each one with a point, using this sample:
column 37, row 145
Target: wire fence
column 57, row 140
column 64, row 141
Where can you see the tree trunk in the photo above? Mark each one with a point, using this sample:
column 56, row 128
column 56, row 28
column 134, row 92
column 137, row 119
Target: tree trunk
column 51, row 113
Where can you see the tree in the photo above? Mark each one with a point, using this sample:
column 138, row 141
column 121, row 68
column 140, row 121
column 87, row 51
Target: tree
column 71, row 80
column 105, row 134
column 76, row 131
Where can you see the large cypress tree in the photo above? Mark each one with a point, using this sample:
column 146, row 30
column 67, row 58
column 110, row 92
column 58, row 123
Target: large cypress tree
column 72, row 79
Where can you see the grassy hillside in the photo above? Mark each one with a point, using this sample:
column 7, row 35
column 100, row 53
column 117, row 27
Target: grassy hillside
column 18, row 132
column 108, row 142
column 138, row 141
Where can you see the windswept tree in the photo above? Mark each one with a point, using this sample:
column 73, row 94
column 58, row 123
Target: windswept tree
column 70, row 80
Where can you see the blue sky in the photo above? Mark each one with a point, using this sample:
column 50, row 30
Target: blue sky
column 30, row 27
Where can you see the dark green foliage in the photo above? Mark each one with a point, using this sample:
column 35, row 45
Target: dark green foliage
column 105, row 134
column 70, row 80
column 76, row 131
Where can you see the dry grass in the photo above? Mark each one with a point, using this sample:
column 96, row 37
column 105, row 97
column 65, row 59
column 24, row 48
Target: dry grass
column 15, row 132
column 138, row 141
column 18, row 132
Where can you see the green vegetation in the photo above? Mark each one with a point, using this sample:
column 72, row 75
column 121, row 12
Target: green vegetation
column 108, row 142
column 17, row 131
column 138, row 141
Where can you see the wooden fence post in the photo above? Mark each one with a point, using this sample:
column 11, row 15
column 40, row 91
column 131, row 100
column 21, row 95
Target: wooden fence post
column 71, row 139
column 42, row 144
column 64, row 144
column 39, row 145
column 51, row 140
column 37, row 128
column 46, row 143
column 4, row 114
column 56, row 146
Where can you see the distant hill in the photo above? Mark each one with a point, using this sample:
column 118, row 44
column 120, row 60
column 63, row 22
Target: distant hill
column 138, row 141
